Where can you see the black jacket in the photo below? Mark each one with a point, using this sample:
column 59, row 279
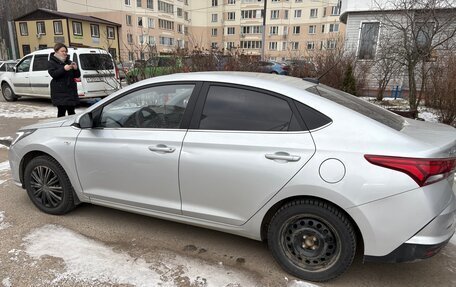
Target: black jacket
column 64, row 91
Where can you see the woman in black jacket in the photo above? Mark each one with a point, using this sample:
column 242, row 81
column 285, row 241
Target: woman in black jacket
column 64, row 92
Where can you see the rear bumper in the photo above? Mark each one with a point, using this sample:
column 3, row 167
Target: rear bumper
column 427, row 242
column 408, row 252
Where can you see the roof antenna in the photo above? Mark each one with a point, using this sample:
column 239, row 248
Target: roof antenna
column 317, row 80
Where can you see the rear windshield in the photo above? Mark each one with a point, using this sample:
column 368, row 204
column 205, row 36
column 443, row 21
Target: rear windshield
column 365, row 108
column 96, row 62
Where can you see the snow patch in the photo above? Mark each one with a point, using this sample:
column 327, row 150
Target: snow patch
column 4, row 166
column 15, row 110
column 3, row 225
column 89, row 261
column 6, row 282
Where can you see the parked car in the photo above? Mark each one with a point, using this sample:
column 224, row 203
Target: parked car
column 312, row 170
column 302, row 68
column 153, row 67
column 31, row 78
column 7, row 66
column 123, row 69
column 273, row 67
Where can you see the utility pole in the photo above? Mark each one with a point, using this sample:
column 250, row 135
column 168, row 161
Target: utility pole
column 263, row 36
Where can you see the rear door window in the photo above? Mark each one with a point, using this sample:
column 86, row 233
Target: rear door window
column 40, row 63
column 96, row 62
column 231, row 108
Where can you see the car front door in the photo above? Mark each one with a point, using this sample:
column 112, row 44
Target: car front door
column 21, row 77
column 242, row 147
column 39, row 76
column 130, row 157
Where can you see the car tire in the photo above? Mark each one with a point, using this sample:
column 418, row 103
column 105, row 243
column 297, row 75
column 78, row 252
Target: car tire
column 48, row 186
column 312, row 240
column 8, row 93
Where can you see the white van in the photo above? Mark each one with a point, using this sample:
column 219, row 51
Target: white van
column 99, row 76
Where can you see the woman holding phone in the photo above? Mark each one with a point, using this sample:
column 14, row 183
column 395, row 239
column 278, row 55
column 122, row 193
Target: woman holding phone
column 64, row 91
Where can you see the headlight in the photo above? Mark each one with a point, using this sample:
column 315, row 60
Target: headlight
column 22, row 134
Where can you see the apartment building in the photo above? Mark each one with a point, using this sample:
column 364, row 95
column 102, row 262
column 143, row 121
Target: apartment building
column 294, row 28
column 148, row 26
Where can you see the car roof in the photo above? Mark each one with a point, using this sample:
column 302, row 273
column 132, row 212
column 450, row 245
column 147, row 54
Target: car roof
column 71, row 50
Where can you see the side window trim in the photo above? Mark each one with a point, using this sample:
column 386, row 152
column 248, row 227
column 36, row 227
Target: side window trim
column 188, row 110
column 196, row 118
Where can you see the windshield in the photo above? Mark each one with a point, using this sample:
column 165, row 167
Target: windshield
column 365, row 108
column 96, row 62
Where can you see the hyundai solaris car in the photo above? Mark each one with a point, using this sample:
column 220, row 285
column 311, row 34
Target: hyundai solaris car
column 311, row 170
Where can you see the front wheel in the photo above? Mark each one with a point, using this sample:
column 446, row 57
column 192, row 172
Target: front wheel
column 8, row 93
column 312, row 240
column 48, row 186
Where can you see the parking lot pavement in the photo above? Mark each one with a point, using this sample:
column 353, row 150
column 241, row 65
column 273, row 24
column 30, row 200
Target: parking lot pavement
column 97, row 246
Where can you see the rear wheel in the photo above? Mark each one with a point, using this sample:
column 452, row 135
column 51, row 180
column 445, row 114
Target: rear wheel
column 312, row 240
column 48, row 186
column 8, row 93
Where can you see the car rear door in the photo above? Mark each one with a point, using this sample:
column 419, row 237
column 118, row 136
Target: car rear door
column 39, row 76
column 21, row 77
column 130, row 158
column 242, row 147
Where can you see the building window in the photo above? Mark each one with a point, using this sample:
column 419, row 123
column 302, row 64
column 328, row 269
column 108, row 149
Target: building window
column 230, row 31
column 335, row 10
column 230, row 45
column 295, row 45
column 297, row 13
column 314, row 13
column 214, row 17
column 131, row 56
column 151, row 40
column 214, row 45
column 26, row 49
column 165, row 7
column 129, row 38
column 166, row 41
column 251, row 29
column 274, row 14
column 214, row 3
column 58, row 28
column 273, row 30
column 140, row 22
column 150, row 23
column 141, row 39
column 323, row 28
column 127, row 2
column 251, row 14
column 285, row 14
column 231, row 16
column 110, row 32
column 23, row 28
column 333, row 27
column 138, row 3
column 77, row 28
column 94, row 31
column 296, row 29
column 310, row 45
column 40, row 28
column 165, row 24
column 251, row 44
column 284, row 46
column 285, row 30
column 128, row 20
column 150, row 4
column 231, row 2
column 312, row 29
column 180, row 12
column 214, row 32
column 180, row 29
column 272, row 45
column 368, row 40
column 331, row 44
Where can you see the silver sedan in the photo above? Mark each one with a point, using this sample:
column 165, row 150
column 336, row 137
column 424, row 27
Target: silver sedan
column 313, row 171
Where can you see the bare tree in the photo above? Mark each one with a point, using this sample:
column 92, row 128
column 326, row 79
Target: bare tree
column 418, row 28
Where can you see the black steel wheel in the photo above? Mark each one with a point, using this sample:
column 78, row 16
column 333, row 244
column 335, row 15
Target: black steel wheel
column 312, row 240
column 8, row 93
column 48, row 186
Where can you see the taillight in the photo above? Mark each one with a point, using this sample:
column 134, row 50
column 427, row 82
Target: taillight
column 117, row 72
column 423, row 171
column 77, row 80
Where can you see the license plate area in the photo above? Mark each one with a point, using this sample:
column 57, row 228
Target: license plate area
column 94, row 79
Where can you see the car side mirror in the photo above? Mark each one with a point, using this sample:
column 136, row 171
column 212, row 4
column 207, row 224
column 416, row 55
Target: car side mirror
column 86, row 121
column 14, row 69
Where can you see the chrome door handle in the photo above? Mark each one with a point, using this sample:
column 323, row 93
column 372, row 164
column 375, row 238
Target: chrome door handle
column 162, row 148
column 282, row 156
